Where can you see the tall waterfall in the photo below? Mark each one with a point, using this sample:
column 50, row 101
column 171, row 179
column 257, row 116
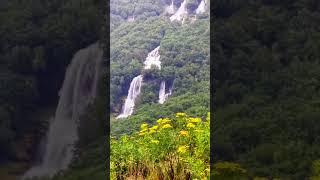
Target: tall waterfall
column 162, row 92
column 201, row 8
column 78, row 90
column 153, row 58
column 134, row 91
column 181, row 12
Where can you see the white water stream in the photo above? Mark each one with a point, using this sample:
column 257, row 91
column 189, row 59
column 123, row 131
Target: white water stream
column 201, row 8
column 134, row 91
column 181, row 12
column 153, row 59
column 78, row 90
column 170, row 9
column 162, row 92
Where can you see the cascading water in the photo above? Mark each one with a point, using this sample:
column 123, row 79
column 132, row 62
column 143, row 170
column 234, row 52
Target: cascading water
column 170, row 9
column 201, row 8
column 181, row 12
column 153, row 59
column 162, row 92
column 134, row 91
column 130, row 18
column 77, row 92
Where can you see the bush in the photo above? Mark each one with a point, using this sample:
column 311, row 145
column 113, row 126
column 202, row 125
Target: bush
column 177, row 147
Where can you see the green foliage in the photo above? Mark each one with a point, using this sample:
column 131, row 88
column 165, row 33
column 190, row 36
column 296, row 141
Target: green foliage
column 121, row 10
column 184, row 56
column 228, row 171
column 176, row 147
column 265, row 86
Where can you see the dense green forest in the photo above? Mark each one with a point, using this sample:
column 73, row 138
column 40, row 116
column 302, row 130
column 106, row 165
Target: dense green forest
column 184, row 56
column 266, row 86
column 37, row 41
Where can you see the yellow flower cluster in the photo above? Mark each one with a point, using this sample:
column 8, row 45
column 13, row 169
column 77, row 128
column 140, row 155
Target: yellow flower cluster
column 153, row 129
column 180, row 114
column 144, row 129
column 190, row 125
column 142, row 133
column 163, row 121
column 144, row 126
column 166, row 126
column 182, row 149
column 194, row 120
column 186, row 136
column 184, row 133
column 155, row 141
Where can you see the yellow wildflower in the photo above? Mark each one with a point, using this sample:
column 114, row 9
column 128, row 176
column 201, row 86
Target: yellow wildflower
column 159, row 121
column 152, row 131
column 141, row 133
column 154, row 128
column 143, row 130
column 195, row 120
column 184, row 133
column 182, row 149
column 180, row 114
column 166, row 126
column 144, row 126
column 163, row 121
column 190, row 125
column 155, row 141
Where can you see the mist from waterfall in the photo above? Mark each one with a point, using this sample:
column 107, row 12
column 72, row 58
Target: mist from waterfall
column 153, row 59
column 78, row 91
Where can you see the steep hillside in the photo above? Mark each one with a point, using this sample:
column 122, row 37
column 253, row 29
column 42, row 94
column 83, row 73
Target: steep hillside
column 159, row 69
column 184, row 57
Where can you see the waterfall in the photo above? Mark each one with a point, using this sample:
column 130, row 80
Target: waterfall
column 170, row 9
column 162, row 92
column 130, row 18
column 134, row 91
column 78, row 90
column 153, row 59
column 201, row 8
column 181, row 12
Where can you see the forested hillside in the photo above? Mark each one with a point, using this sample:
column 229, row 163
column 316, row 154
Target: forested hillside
column 37, row 41
column 184, row 56
column 266, row 78
column 176, row 145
